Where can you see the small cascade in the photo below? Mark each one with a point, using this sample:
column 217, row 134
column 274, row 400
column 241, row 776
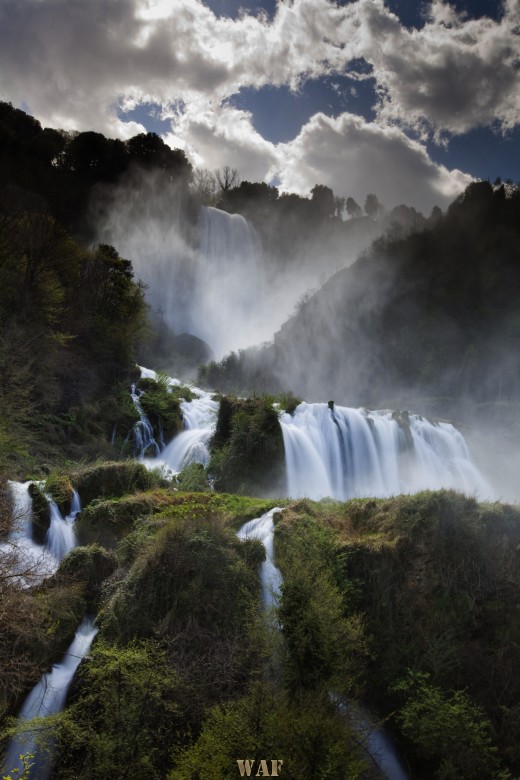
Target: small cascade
column 142, row 432
column 346, row 453
column 262, row 528
column 34, row 562
column 26, row 558
column 48, row 698
column 61, row 537
column 191, row 445
column 378, row 743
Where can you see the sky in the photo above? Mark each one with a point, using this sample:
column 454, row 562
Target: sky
column 407, row 99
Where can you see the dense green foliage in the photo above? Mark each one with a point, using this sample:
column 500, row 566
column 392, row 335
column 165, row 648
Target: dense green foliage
column 247, row 448
column 432, row 584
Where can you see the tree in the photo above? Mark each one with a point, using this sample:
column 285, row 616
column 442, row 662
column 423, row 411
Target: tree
column 353, row 209
column 339, row 204
column 322, row 198
column 227, row 178
column 373, row 208
column 148, row 150
column 204, row 187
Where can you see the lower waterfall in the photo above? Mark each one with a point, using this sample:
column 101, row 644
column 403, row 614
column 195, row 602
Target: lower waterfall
column 346, row 453
column 47, row 698
column 34, row 563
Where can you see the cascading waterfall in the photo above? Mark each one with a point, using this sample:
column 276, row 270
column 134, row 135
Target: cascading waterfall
column 61, row 537
column 191, row 445
column 27, row 558
column 34, row 562
column 49, row 694
column 345, row 453
column 230, row 270
column 47, row 698
column 142, row 432
column 378, row 743
column 262, row 528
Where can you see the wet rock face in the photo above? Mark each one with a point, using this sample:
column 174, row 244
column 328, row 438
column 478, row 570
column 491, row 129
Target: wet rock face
column 41, row 518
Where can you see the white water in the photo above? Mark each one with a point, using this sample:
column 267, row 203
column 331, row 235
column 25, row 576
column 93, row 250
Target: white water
column 26, row 558
column 344, row 453
column 142, row 432
column 190, row 445
column 262, row 528
column 378, row 743
column 61, row 537
column 231, row 278
column 210, row 284
column 48, row 698
column 31, row 561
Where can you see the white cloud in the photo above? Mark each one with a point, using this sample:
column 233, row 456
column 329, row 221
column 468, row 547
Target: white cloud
column 74, row 63
column 354, row 158
column 452, row 75
column 217, row 135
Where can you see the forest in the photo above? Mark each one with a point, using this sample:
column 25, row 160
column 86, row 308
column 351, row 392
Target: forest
column 395, row 615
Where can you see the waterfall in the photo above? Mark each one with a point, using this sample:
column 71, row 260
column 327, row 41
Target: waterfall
column 34, row 562
column 209, row 284
column 230, row 270
column 345, row 453
column 61, row 537
column 262, row 528
column 26, row 558
column 378, row 743
column 191, row 445
column 48, row 698
column 142, row 431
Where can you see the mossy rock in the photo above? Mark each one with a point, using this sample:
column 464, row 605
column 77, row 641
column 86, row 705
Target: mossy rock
column 60, row 488
column 106, row 521
column 193, row 478
column 190, row 582
column 248, row 453
column 113, row 480
column 41, row 513
column 90, row 565
column 161, row 404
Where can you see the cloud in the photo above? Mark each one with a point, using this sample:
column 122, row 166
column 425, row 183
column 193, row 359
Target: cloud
column 77, row 65
column 452, row 75
column 73, row 62
column 217, row 135
column 354, row 157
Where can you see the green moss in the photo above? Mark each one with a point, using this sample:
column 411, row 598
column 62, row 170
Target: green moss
column 161, row 404
column 436, row 578
column 105, row 521
column 60, row 488
column 90, row 565
column 113, row 479
column 247, row 448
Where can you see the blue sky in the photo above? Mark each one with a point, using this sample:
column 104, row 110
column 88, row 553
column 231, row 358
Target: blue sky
column 406, row 99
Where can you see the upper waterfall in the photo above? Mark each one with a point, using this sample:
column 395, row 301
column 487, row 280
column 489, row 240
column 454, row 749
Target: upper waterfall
column 345, row 453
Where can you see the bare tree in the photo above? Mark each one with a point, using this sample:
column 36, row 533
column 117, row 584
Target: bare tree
column 204, row 186
column 227, row 178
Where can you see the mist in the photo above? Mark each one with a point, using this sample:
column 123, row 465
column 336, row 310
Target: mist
column 206, row 271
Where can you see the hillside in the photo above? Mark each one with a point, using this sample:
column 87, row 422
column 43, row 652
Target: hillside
column 430, row 315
